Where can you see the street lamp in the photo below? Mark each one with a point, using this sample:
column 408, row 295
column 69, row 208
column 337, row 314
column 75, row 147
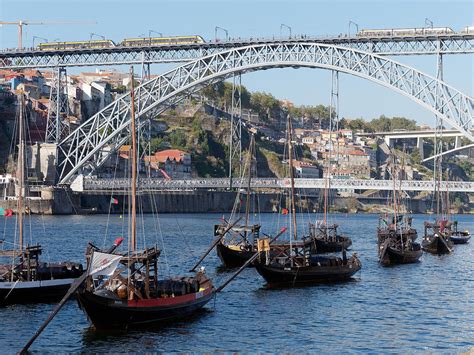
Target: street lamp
column 150, row 31
column 285, row 26
column 42, row 38
column 428, row 22
column 222, row 29
column 356, row 26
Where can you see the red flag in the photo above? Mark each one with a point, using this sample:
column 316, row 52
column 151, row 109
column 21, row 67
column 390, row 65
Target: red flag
column 118, row 241
column 442, row 225
column 113, row 201
column 284, row 211
column 8, row 212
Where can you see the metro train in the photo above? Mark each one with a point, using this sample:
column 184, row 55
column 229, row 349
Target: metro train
column 128, row 42
column 468, row 30
column 404, row 32
column 49, row 46
column 158, row 41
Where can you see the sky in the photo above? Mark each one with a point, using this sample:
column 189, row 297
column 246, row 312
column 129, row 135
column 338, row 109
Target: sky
column 119, row 19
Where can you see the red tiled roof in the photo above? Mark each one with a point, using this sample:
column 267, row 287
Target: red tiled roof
column 171, row 154
column 356, row 152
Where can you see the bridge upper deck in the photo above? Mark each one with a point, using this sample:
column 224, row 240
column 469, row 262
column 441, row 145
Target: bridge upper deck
column 457, row 43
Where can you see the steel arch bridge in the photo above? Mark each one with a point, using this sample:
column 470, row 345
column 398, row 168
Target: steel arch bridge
column 89, row 146
column 406, row 45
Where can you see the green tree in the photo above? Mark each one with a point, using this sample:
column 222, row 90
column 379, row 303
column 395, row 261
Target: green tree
column 381, row 124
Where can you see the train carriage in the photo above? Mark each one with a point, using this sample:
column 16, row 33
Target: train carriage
column 160, row 41
column 406, row 32
column 52, row 46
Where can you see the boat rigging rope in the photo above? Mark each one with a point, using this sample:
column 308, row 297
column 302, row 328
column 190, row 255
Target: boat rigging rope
column 157, row 223
column 110, row 202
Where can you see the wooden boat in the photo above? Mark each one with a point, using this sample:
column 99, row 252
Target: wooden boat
column 396, row 241
column 237, row 249
column 437, row 239
column 237, row 254
column 458, row 236
column 124, row 290
column 119, row 302
column 236, row 245
column 326, row 239
column 24, row 279
column 395, row 233
column 234, row 255
column 304, row 267
column 295, row 263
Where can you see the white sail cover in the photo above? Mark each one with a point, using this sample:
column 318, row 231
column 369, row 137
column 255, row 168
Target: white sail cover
column 103, row 263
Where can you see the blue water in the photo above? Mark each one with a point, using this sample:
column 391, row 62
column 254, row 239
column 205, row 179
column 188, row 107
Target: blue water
column 427, row 306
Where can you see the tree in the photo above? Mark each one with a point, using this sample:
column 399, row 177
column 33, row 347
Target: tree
column 178, row 139
column 381, row 124
column 357, row 124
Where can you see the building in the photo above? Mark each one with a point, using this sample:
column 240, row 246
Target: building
column 170, row 164
column 306, row 170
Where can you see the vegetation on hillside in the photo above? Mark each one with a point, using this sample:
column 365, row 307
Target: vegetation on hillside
column 381, row 124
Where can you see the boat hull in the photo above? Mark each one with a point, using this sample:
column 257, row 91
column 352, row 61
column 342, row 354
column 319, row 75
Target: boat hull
column 460, row 238
column 306, row 274
column 434, row 245
column 233, row 258
column 44, row 291
column 105, row 312
column 399, row 256
column 320, row 245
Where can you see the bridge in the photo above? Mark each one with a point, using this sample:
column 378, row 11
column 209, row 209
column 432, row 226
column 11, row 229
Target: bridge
column 458, row 43
column 91, row 184
column 389, row 137
column 90, row 145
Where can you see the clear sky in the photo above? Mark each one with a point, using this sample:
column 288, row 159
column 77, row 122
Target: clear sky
column 118, row 19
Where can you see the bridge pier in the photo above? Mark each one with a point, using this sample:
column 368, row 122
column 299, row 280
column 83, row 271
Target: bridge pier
column 457, row 142
column 419, row 145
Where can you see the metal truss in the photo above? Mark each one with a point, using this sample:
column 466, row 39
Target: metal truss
column 449, row 152
column 452, row 44
column 57, row 126
column 94, row 184
column 235, row 139
column 90, row 144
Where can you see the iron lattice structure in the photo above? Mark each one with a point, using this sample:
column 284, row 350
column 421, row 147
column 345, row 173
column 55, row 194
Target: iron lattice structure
column 57, row 126
column 419, row 45
column 235, row 139
column 90, row 145
column 94, row 185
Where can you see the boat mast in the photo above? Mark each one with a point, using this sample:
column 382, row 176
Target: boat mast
column 447, row 196
column 133, row 243
column 247, row 202
column 395, row 205
column 21, row 168
column 292, row 179
column 326, row 180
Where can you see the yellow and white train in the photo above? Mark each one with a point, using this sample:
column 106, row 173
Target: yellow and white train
column 128, row 42
column 406, row 32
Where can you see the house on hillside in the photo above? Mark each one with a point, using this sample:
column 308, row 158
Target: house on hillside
column 170, row 164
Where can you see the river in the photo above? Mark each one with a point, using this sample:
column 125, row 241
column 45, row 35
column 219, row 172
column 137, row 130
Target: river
column 420, row 307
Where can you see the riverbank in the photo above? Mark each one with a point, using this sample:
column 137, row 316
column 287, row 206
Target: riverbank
column 66, row 202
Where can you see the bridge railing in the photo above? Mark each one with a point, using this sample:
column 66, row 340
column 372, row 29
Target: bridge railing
column 151, row 184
